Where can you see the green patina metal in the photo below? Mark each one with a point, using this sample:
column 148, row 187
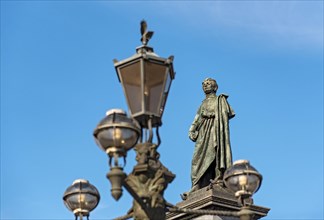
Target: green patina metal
column 210, row 130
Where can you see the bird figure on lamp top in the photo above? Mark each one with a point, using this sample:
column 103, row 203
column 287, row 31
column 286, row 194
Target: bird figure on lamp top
column 146, row 35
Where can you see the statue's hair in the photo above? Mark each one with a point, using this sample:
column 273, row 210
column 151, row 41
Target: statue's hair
column 214, row 82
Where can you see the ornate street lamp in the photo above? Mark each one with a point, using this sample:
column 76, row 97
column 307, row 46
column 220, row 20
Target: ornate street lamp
column 244, row 180
column 115, row 135
column 146, row 79
column 81, row 198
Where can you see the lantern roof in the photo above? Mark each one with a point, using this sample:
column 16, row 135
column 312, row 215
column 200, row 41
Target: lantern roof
column 147, row 53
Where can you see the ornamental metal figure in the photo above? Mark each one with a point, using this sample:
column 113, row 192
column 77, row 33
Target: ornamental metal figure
column 210, row 130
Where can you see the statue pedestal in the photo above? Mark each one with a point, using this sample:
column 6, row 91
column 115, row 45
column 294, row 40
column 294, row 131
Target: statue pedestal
column 217, row 198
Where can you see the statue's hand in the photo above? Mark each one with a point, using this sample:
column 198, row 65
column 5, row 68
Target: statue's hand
column 193, row 135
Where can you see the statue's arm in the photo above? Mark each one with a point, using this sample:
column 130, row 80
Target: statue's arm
column 194, row 128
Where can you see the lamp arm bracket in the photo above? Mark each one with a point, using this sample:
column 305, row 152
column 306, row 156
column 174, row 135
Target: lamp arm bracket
column 137, row 198
column 158, row 137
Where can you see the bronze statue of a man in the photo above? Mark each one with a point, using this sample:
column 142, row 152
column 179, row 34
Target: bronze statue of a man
column 210, row 130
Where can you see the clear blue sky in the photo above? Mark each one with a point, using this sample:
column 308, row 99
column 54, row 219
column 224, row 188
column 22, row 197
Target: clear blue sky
column 58, row 80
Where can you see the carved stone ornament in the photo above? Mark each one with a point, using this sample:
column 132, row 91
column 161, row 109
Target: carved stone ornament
column 149, row 179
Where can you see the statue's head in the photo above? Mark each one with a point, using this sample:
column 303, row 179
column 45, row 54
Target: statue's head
column 209, row 85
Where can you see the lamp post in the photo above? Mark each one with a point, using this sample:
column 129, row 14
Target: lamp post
column 146, row 80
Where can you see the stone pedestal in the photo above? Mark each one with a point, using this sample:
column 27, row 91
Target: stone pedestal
column 217, row 198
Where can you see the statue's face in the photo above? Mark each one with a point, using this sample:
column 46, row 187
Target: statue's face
column 209, row 86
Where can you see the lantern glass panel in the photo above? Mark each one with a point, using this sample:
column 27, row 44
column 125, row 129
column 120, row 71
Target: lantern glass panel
column 131, row 78
column 155, row 76
column 117, row 137
column 233, row 183
column 166, row 91
column 82, row 201
column 253, row 183
column 244, row 181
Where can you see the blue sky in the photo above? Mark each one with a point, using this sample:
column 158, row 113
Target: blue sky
column 58, row 80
